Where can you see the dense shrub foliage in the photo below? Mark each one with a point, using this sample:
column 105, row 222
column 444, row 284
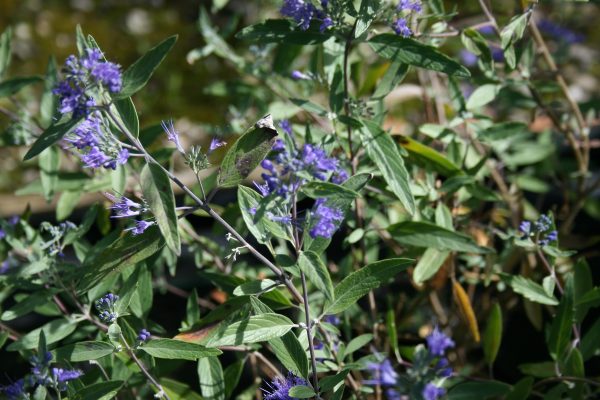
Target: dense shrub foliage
column 322, row 247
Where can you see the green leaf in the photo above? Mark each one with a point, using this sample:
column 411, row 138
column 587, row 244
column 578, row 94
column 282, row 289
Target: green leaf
column 5, row 50
column 262, row 228
column 54, row 331
column 330, row 382
column 382, row 150
column 123, row 252
column 425, row 234
column 40, row 393
column 529, row 289
column 560, row 329
column 138, row 74
column 428, row 156
column 157, row 190
column 301, row 392
column 317, row 190
column 247, row 152
column 290, row 353
column 521, row 390
column 257, row 328
column 254, row 287
column 589, row 341
column 281, row 31
column 492, row 337
column 99, row 391
column 483, row 95
column 212, row 382
column 315, row 270
column 336, row 92
column 539, row 370
column 179, row 391
column 53, row 134
column 128, row 290
column 478, row 390
column 83, row 351
column 26, row 306
column 357, row 343
column 49, row 101
column 177, row 350
column 128, row 115
column 232, row 375
column 429, row 264
column 359, row 283
column 415, row 53
column 12, row 86
column 309, row 106
column 67, row 202
column 395, row 74
column 366, row 14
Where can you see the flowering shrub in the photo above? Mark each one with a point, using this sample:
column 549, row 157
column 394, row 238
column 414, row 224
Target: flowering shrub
column 359, row 259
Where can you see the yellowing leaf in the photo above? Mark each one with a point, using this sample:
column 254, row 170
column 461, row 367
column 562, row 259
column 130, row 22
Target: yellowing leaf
column 464, row 304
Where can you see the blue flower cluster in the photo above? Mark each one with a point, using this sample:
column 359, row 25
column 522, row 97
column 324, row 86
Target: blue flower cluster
column 279, row 387
column 124, row 207
column 144, row 335
column 404, row 9
column 428, row 365
column 98, row 147
column 541, row 230
column 311, row 162
column 41, row 375
column 303, row 12
column 560, row 33
column 82, row 74
column 106, row 307
column 327, row 220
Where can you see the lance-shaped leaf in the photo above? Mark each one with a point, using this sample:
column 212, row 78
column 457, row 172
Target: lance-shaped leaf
column 412, row 52
column 83, row 351
column 429, row 264
column 247, row 152
column 257, row 328
column 138, row 74
column 427, row 155
column 529, row 289
column 492, row 337
column 281, row 31
column 53, row 134
column 212, row 381
column 177, row 350
column 382, row 150
column 359, row 283
column 318, row 190
column 466, row 310
column 128, row 115
column 315, row 270
column 54, row 331
column 425, row 234
column 123, row 252
column 158, row 192
column 5, row 50
column 98, row 391
column 12, row 86
column 562, row 323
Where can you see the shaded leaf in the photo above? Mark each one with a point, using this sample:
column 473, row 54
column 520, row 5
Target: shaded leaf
column 177, row 349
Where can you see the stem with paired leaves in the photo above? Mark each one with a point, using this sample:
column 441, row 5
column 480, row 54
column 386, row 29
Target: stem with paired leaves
column 205, row 207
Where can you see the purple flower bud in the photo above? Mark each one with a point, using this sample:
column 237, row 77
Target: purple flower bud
column 382, row 373
column 140, row 227
column 326, row 24
column 215, row 144
column 401, row 27
column 432, row 392
column 172, row 134
column 438, row 342
column 286, row 126
column 297, row 75
column 525, row 228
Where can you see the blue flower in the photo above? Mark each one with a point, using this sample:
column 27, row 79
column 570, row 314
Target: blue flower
column 143, row 336
column 525, row 228
column 215, row 143
column 280, row 387
column 62, row 376
column 298, row 75
column 286, row 126
column 326, row 219
column 140, row 227
column 468, row 58
column 401, row 27
column 124, row 207
column 14, row 391
column 326, row 24
column 81, row 74
column 172, row 134
column 2, row 233
column 432, row 392
column 106, row 307
column 4, row 266
column 382, row 373
column 408, row 5
column 302, row 12
column 443, row 369
column 332, row 319
column 560, row 33
column 438, row 342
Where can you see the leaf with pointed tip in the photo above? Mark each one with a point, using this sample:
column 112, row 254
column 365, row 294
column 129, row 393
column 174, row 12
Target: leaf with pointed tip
column 247, row 152
column 177, row 350
column 53, row 134
column 257, row 328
